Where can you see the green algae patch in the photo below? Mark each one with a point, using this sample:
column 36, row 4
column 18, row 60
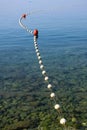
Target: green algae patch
column 18, row 125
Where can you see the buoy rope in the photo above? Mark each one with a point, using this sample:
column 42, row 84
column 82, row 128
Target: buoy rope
column 57, row 106
column 22, row 25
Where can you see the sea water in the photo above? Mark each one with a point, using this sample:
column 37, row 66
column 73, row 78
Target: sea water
column 63, row 47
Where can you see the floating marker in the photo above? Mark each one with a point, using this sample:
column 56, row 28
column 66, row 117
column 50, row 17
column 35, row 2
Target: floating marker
column 35, row 32
column 52, row 95
column 62, row 121
column 57, row 106
column 38, row 54
column 40, row 62
column 43, row 72
column 49, row 86
column 37, row 50
column 46, row 78
column 41, row 67
column 24, row 16
column 39, row 57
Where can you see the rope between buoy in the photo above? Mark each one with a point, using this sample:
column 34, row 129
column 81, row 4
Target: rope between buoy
column 44, row 73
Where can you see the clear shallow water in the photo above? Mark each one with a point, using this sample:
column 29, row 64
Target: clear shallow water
column 63, row 46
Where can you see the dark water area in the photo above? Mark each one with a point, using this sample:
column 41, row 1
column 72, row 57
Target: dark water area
column 24, row 98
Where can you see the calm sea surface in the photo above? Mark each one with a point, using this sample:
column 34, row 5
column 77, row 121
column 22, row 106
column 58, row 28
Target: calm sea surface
column 62, row 42
column 63, row 47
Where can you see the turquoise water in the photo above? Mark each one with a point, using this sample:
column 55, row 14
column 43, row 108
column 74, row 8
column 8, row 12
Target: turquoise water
column 63, row 47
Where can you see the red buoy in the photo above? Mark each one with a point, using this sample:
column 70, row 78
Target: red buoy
column 24, row 16
column 35, row 32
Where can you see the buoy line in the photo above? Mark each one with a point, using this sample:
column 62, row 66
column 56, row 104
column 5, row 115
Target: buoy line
column 57, row 106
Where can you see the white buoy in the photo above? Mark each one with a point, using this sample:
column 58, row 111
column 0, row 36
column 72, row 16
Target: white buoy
column 37, row 50
column 62, row 121
column 49, row 86
column 41, row 66
column 40, row 62
column 35, row 44
column 35, row 38
column 43, row 72
column 36, row 47
column 46, row 78
column 52, row 95
column 57, row 106
column 38, row 54
column 39, row 57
